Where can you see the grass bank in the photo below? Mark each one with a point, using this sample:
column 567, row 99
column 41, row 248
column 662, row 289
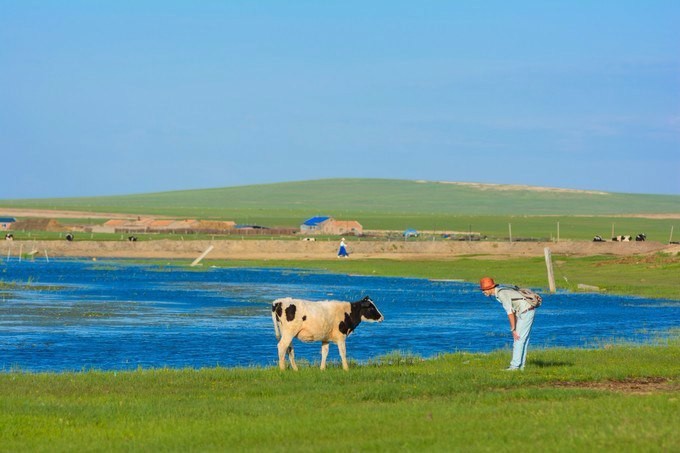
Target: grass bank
column 654, row 276
column 617, row 397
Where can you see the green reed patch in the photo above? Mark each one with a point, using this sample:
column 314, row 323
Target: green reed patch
column 10, row 288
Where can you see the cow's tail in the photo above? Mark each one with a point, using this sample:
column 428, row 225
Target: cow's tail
column 277, row 331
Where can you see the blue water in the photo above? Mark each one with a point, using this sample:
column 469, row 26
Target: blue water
column 114, row 315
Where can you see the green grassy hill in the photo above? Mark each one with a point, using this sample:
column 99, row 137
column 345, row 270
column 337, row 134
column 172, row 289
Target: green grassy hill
column 368, row 195
column 376, row 203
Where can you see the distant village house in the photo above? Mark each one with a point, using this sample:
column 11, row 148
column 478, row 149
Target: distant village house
column 6, row 222
column 329, row 225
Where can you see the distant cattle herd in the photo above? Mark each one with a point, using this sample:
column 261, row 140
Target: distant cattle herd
column 624, row 238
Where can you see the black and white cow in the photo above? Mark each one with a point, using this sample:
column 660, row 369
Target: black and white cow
column 323, row 321
column 598, row 239
column 625, row 238
column 641, row 237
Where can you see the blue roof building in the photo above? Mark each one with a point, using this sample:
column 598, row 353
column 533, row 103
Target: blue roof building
column 313, row 224
column 316, row 220
column 5, row 222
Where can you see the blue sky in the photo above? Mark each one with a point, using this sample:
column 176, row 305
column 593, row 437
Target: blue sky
column 106, row 98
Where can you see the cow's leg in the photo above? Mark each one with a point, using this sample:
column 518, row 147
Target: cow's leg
column 341, row 350
column 324, row 354
column 283, row 345
column 291, row 357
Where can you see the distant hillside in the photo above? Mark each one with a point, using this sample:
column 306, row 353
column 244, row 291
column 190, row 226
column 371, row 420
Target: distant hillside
column 357, row 198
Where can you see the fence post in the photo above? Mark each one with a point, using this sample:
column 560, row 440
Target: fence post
column 549, row 266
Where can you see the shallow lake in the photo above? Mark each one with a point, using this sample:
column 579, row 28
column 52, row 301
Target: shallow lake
column 114, row 315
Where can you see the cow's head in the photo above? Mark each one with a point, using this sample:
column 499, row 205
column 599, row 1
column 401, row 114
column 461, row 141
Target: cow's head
column 369, row 312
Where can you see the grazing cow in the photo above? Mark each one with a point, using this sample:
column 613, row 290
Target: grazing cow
column 621, row 238
column 598, row 239
column 69, row 237
column 9, row 237
column 132, row 238
column 323, row 321
column 641, row 237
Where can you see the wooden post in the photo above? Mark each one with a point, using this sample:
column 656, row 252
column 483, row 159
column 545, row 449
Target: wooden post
column 558, row 231
column 510, row 231
column 47, row 257
column 612, row 230
column 670, row 239
column 198, row 260
column 549, row 266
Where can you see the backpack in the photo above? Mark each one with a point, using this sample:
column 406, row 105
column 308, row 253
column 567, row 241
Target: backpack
column 531, row 297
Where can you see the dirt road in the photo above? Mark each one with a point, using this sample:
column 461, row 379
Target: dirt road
column 313, row 250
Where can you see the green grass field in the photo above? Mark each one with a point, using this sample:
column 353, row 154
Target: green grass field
column 620, row 397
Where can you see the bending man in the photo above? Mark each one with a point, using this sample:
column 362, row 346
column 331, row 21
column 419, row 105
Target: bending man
column 520, row 314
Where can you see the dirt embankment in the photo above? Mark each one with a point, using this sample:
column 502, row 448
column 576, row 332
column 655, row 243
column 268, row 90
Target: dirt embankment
column 313, row 250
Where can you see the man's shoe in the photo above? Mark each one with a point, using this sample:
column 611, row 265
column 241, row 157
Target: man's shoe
column 510, row 369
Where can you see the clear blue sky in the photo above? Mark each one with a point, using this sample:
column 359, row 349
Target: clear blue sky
column 119, row 97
